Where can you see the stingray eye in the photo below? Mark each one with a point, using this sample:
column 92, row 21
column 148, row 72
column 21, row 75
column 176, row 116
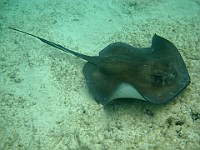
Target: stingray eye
column 157, row 78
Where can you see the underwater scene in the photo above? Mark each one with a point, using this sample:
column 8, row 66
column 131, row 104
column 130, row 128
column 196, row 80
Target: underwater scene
column 100, row 74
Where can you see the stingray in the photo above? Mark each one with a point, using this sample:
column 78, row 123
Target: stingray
column 155, row 74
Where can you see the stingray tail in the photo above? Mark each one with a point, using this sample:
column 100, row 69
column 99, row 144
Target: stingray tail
column 85, row 57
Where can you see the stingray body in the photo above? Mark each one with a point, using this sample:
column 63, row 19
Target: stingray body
column 157, row 73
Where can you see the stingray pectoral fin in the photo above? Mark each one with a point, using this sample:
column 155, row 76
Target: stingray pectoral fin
column 164, row 74
column 100, row 84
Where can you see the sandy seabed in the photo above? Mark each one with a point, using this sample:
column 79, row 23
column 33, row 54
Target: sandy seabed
column 44, row 100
